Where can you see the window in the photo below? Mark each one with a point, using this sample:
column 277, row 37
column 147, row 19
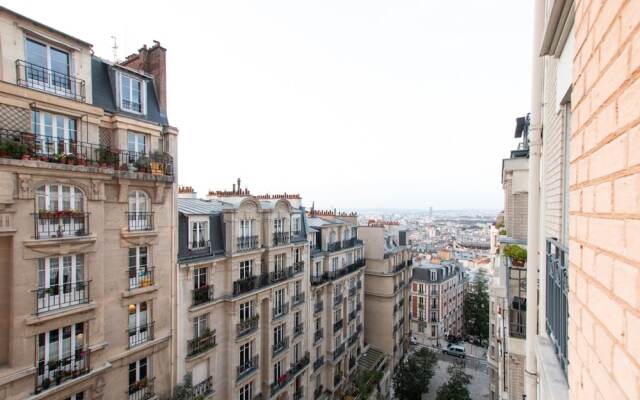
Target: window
column 278, row 225
column 139, row 216
column 199, row 235
column 246, row 269
column 200, row 325
column 421, row 327
column 337, row 315
column 278, row 302
column 278, row 334
column 334, row 264
column 70, row 219
column 279, row 260
column 136, row 146
column 138, row 372
column 297, row 319
column 200, row 278
column 246, row 228
column 48, row 69
column 55, row 134
column 246, row 392
column 60, row 346
column 318, row 324
column 246, row 311
column 337, row 341
column 131, row 94
column 278, row 371
column 138, row 323
column 139, row 273
column 61, row 282
column 297, row 351
column 77, row 396
column 297, row 288
column 318, row 269
column 433, row 276
column 433, row 331
column 296, row 224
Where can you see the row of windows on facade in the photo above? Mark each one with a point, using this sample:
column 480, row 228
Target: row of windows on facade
column 49, row 68
column 199, row 232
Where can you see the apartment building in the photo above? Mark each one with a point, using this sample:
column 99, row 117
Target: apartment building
column 243, row 295
column 86, row 211
column 386, row 283
column 437, row 298
column 337, row 301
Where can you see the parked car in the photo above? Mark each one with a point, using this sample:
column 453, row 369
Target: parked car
column 455, row 350
column 413, row 340
column 474, row 340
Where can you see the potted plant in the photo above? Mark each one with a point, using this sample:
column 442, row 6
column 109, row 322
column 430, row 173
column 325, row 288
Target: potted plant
column 517, row 254
column 70, row 159
column 142, row 164
column 156, row 163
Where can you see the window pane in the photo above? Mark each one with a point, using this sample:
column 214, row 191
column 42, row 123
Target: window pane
column 36, row 53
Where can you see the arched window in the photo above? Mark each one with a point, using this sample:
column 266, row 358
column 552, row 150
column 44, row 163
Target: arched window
column 139, row 215
column 60, row 211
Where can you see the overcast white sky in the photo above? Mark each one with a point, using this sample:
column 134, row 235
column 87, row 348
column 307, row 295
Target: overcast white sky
column 353, row 104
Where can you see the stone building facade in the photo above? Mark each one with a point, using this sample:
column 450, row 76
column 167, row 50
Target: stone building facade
column 83, row 277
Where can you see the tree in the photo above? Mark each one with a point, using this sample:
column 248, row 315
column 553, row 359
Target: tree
column 411, row 378
column 456, row 387
column 476, row 309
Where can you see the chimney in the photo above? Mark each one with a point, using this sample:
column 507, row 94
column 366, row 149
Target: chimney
column 239, row 186
column 153, row 61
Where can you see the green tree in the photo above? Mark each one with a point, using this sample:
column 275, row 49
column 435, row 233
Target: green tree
column 476, row 309
column 456, row 387
column 411, row 378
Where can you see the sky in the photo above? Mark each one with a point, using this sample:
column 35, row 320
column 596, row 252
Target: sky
column 351, row 103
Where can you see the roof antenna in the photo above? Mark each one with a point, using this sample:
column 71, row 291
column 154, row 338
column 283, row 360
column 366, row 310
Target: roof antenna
column 115, row 49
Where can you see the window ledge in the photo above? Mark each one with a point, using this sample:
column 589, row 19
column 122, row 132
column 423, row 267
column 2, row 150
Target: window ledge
column 553, row 385
column 42, row 318
column 140, row 290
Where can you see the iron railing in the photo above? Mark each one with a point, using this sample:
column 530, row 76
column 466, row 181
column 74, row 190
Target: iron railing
column 298, row 330
column 203, row 294
column 281, row 238
column 280, row 311
column 140, row 334
column 203, row 388
column 247, row 243
column 337, row 300
column 557, row 310
column 352, row 291
column 319, row 362
column 47, row 80
column 201, row 343
column 298, row 267
column 337, row 326
column 140, row 277
column 142, row 389
column 247, row 367
column 280, row 346
column 139, row 221
column 57, row 297
column 318, row 335
column 54, row 372
column 248, row 325
column 297, row 299
column 60, row 224
column 199, row 247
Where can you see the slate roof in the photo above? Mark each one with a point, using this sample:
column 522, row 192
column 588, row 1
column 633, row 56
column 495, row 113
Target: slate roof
column 103, row 83
column 199, row 206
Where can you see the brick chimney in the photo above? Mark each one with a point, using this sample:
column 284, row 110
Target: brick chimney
column 152, row 60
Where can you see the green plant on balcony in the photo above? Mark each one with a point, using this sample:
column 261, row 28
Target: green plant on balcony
column 143, row 164
column 517, row 254
column 107, row 157
column 12, row 149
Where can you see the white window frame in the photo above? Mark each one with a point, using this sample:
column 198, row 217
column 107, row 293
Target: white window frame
column 50, row 143
column 62, row 294
column 139, row 325
column 49, row 86
column 143, row 93
column 201, row 232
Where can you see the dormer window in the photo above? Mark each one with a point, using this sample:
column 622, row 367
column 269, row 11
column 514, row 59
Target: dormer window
column 199, row 233
column 132, row 94
column 47, row 68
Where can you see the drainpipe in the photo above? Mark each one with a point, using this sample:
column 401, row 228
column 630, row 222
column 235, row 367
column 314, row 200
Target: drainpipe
column 533, row 218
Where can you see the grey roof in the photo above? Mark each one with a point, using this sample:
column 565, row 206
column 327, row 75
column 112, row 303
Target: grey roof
column 103, row 81
column 318, row 222
column 422, row 272
column 199, row 206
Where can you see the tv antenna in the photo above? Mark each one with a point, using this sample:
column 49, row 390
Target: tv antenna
column 115, row 49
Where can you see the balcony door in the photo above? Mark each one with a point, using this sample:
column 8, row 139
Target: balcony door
column 138, row 323
column 136, row 145
column 279, row 301
column 55, row 134
column 139, row 275
column 139, row 216
column 61, row 282
column 60, row 350
column 60, row 211
column 138, row 383
column 48, row 68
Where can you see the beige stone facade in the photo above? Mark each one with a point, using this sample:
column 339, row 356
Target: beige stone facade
column 387, row 280
column 87, row 230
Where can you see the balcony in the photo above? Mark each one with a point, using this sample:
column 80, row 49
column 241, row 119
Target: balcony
column 247, row 243
column 247, row 326
column 297, row 299
column 351, row 243
column 281, row 238
column 58, row 297
column 280, row 275
column 142, row 389
column 352, row 339
column 319, row 333
column 359, row 306
column 26, row 145
column 202, row 343
column 319, row 362
column 299, row 393
column 140, row 334
column 244, row 369
column 335, row 246
column 197, row 248
column 201, row 295
column 300, row 364
column 61, row 224
column 337, row 300
column 401, row 303
column 55, row 372
column 352, row 315
column 204, row 388
column 557, row 313
column 318, row 306
column 280, row 346
column 298, row 330
column 317, row 279
column 298, row 267
column 280, row 311
column 337, row 326
column 400, row 266
column 46, row 80
column 359, row 284
column 352, row 291
column 338, row 352
column 140, row 277
column 285, row 378
column 247, row 285
column 139, row 221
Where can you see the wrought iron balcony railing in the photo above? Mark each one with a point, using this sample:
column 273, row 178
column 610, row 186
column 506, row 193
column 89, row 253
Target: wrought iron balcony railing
column 298, row 267
column 201, row 295
column 203, row 388
column 297, row 299
column 247, row 367
column 280, row 275
column 142, row 389
column 47, row 80
column 318, row 335
column 335, row 246
column 337, row 300
column 352, row 291
column 140, row 277
column 201, row 343
column 140, row 221
column 198, row 248
column 298, row 330
column 61, row 224
column 140, row 334
column 280, row 311
column 247, row 243
column 557, row 310
column 352, row 315
column 280, row 346
column 281, row 238
column 337, row 326
column 319, row 362
column 56, row 371
column 247, row 326
column 318, row 306
column 58, row 297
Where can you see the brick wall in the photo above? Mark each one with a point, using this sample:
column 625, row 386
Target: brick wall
column 604, row 276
